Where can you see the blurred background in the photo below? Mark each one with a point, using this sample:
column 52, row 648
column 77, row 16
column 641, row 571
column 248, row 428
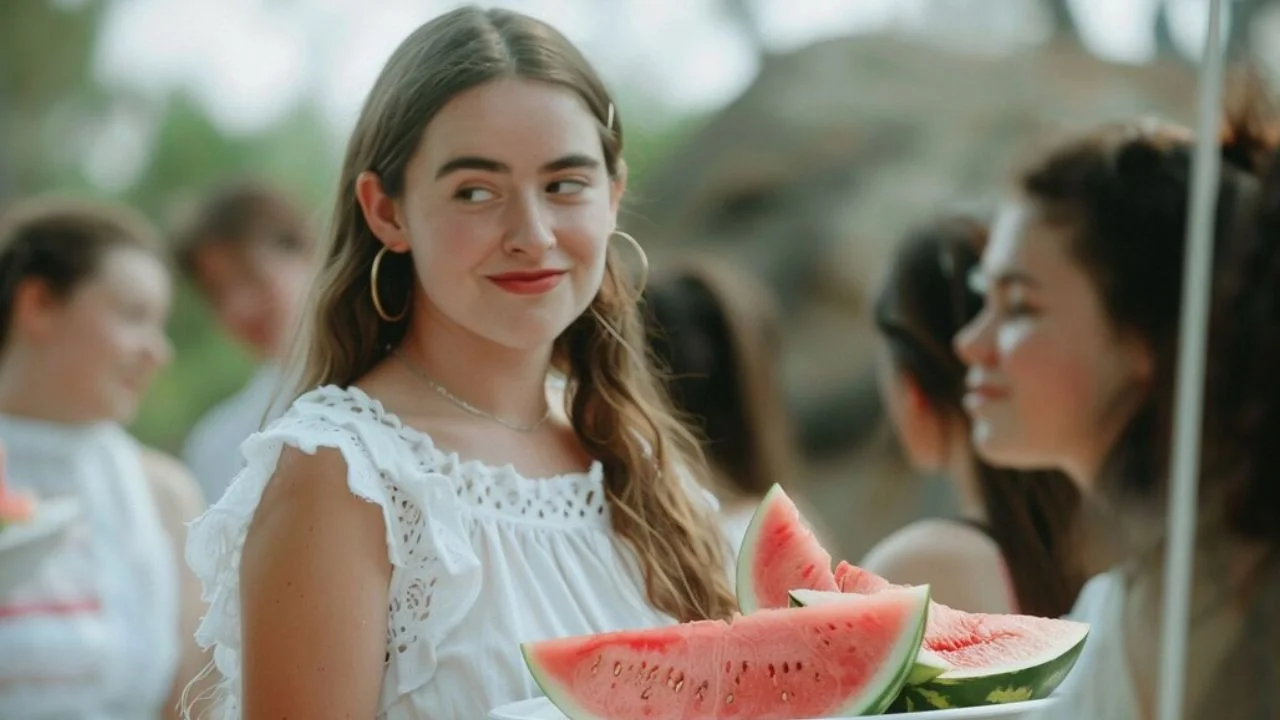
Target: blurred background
column 800, row 138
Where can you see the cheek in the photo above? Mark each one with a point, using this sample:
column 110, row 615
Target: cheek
column 1052, row 378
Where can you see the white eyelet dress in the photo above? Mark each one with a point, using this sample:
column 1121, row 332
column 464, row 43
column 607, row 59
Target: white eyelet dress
column 482, row 559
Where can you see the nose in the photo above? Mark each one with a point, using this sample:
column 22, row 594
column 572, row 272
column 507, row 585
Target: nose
column 529, row 228
column 974, row 344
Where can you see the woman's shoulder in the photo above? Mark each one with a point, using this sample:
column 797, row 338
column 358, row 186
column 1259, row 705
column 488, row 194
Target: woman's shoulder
column 175, row 490
column 963, row 565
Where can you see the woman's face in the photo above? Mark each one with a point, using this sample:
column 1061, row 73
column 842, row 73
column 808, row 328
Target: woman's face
column 256, row 291
column 507, row 210
column 105, row 342
column 1048, row 370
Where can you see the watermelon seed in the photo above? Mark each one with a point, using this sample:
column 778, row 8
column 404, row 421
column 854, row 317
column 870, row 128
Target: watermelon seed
column 799, row 666
column 728, row 699
column 745, row 666
column 701, row 692
column 772, row 672
column 831, row 626
column 728, row 667
column 785, row 696
column 617, row 669
column 817, row 677
column 596, row 667
column 646, row 694
column 786, row 667
column 679, row 684
column 644, row 664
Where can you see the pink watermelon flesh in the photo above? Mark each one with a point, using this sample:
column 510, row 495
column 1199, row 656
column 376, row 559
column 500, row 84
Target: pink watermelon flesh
column 837, row 658
column 966, row 640
column 786, row 556
column 970, row 642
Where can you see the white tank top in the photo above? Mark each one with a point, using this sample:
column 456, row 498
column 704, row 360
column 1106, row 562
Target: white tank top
column 93, row 634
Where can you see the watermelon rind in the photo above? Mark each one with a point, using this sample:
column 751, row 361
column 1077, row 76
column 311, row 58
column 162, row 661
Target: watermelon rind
column 875, row 697
column 929, row 689
column 558, row 694
column 889, row 682
column 1032, row 679
column 745, row 585
column 926, row 665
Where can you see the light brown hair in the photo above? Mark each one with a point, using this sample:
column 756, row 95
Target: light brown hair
column 618, row 409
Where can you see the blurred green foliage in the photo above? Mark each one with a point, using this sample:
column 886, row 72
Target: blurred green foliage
column 52, row 110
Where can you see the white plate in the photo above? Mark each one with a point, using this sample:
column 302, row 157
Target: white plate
column 542, row 709
column 23, row 546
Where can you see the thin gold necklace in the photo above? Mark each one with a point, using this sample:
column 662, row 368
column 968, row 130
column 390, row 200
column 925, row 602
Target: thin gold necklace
column 466, row 406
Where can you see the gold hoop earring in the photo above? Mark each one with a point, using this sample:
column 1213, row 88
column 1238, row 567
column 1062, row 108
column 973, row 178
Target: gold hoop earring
column 373, row 290
column 644, row 261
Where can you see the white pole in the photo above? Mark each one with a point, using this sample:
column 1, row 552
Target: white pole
column 1193, row 340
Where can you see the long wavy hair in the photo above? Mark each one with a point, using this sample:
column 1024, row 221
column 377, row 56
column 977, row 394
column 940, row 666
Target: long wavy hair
column 1032, row 515
column 618, row 409
column 1124, row 191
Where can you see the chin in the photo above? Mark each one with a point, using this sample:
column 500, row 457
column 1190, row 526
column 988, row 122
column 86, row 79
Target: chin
column 1000, row 450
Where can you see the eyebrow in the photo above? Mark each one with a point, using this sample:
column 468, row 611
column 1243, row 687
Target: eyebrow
column 979, row 282
column 475, row 162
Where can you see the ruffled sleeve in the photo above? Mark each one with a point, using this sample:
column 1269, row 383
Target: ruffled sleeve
column 436, row 573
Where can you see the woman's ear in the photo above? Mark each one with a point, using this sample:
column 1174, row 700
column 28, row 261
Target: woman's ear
column 618, row 187
column 34, row 309
column 381, row 212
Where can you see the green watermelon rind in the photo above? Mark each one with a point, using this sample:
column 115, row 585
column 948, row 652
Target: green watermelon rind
column 925, row 667
column 898, row 666
column 963, row 688
column 887, row 684
column 745, row 586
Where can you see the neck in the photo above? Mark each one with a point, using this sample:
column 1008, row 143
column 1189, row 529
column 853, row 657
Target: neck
column 509, row 383
column 35, row 395
column 964, row 475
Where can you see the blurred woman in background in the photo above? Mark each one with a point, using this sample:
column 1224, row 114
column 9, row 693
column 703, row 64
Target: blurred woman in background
column 249, row 252
column 715, row 331
column 103, row 628
column 1072, row 364
column 1010, row 549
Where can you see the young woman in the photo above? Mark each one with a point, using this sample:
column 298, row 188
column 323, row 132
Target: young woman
column 714, row 332
column 480, row 455
column 1010, row 549
column 103, row 628
column 249, row 253
column 1072, row 364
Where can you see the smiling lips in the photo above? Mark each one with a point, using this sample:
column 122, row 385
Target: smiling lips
column 528, row 282
column 981, row 393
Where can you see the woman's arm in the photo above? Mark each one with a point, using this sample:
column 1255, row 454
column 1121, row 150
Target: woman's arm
column 179, row 500
column 314, row 582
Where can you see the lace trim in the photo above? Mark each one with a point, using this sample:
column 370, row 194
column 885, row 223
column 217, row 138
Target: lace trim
column 490, row 489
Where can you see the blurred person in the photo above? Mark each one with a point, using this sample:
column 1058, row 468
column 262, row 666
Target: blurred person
column 1011, row 547
column 249, row 252
column 479, row 453
column 714, row 332
column 103, row 628
column 1072, row 364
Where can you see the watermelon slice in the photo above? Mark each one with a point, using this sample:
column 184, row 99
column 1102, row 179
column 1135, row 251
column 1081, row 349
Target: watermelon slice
column 967, row 659
column 14, row 507
column 783, row 555
column 850, row 656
